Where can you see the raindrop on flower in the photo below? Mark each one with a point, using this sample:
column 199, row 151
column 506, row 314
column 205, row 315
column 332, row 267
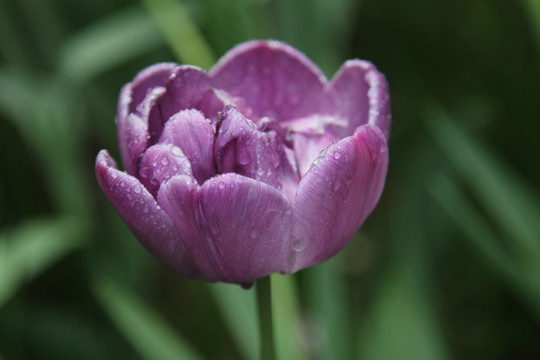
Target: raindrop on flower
column 176, row 151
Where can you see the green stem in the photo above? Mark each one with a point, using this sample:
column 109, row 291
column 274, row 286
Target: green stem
column 264, row 301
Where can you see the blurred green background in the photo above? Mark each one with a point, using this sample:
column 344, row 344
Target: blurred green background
column 447, row 266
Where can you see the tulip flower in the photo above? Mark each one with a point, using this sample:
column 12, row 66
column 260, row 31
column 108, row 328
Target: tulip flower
column 257, row 166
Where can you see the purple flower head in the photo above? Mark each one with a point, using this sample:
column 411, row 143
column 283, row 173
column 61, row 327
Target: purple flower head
column 260, row 165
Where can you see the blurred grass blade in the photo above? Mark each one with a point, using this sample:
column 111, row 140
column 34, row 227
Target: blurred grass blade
column 402, row 324
column 327, row 301
column 534, row 12
column 181, row 32
column 472, row 222
column 12, row 47
column 287, row 322
column 509, row 201
column 32, row 247
column 109, row 43
column 523, row 276
column 238, row 309
column 143, row 328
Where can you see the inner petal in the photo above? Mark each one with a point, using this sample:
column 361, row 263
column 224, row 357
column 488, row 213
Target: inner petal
column 243, row 149
column 160, row 163
column 188, row 88
column 194, row 134
column 313, row 134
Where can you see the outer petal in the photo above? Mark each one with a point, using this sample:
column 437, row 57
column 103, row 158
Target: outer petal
column 237, row 229
column 188, row 88
column 131, row 97
column 336, row 195
column 194, row 134
column 241, row 148
column 145, row 218
column 133, row 93
column 133, row 134
column 359, row 93
column 160, row 163
column 275, row 79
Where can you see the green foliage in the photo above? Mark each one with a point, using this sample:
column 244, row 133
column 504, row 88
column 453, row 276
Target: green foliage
column 448, row 265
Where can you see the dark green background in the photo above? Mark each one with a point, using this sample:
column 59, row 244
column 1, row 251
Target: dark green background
column 447, row 266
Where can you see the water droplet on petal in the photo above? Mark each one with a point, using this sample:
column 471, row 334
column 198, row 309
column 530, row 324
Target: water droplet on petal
column 144, row 172
column 165, row 161
column 337, row 155
column 114, row 174
column 146, row 209
column 137, row 189
column 298, row 245
column 221, row 185
column 176, row 151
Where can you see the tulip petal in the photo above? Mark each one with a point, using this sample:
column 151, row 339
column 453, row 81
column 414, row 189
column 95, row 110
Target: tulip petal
column 131, row 96
column 236, row 228
column 275, row 79
column 160, row 163
column 359, row 93
column 187, row 88
column 145, row 218
column 133, row 93
column 133, row 141
column 313, row 134
column 336, row 195
column 241, row 148
column 194, row 134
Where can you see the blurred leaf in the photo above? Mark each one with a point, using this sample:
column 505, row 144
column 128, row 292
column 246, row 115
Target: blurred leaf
column 520, row 275
column 142, row 327
column 109, row 43
column 328, row 304
column 534, row 12
column 45, row 27
column 43, row 110
column 286, row 313
column 181, row 32
column 239, row 311
column 510, row 201
column 30, row 248
column 11, row 46
column 472, row 222
column 402, row 324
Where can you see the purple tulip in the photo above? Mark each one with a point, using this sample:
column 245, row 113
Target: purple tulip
column 260, row 165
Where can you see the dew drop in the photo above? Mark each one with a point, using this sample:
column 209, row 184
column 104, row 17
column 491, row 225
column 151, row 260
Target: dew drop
column 165, row 161
column 137, row 189
column 146, row 209
column 260, row 172
column 114, row 174
column 144, row 172
column 176, row 151
column 337, row 155
column 298, row 245
column 154, row 164
column 221, row 185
